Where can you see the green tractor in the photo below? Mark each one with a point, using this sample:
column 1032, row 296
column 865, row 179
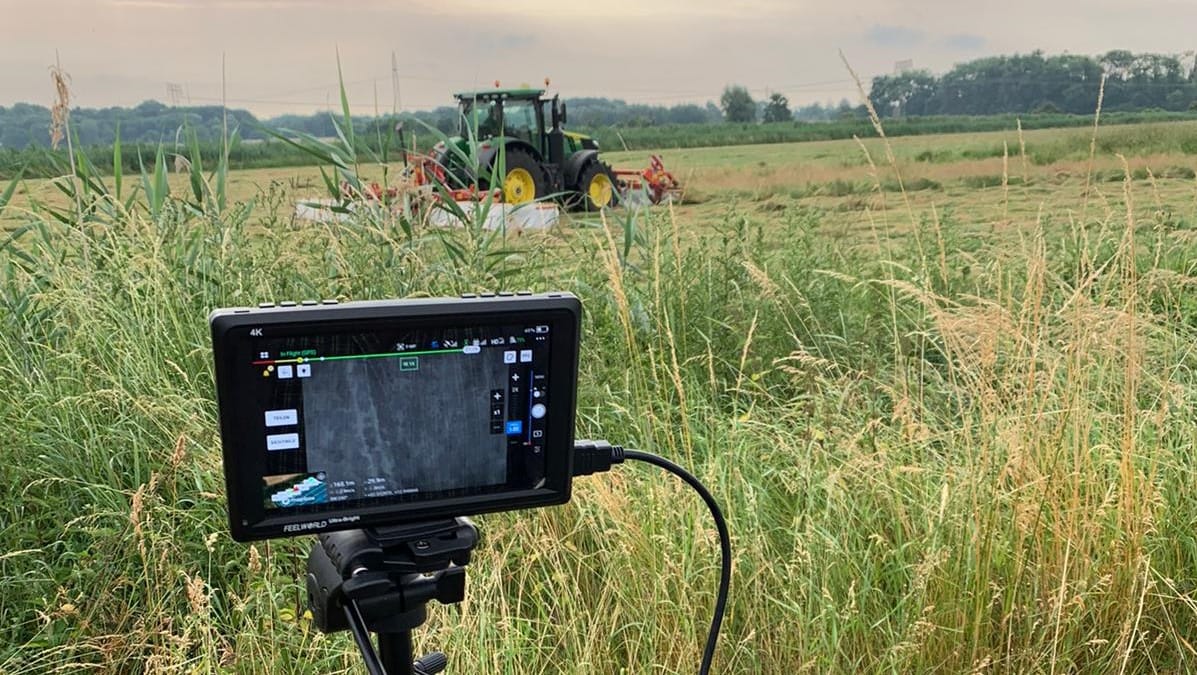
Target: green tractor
column 540, row 158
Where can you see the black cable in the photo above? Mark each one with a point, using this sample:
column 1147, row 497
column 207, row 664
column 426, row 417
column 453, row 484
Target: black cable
column 595, row 456
column 724, row 546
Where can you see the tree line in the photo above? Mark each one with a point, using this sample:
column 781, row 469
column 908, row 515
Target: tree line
column 1035, row 82
column 1017, row 84
column 23, row 124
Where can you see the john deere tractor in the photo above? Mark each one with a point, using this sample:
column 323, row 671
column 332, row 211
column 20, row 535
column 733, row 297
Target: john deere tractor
column 524, row 150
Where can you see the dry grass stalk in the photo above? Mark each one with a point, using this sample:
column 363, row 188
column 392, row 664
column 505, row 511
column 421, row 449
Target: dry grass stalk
column 179, row 453
column 197, row 595
column 255, row 560
column 60, row 121
column 1134, row 490
column 1005, row 181
column 889, row 151
column 60, row 111
column 768, row 288
column 940, row 246
column 1022, row 151
column 135, row 511
column 1101, row 94
column 611, row 263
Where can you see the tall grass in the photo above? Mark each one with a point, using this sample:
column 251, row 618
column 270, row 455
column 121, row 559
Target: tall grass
column 933, row 458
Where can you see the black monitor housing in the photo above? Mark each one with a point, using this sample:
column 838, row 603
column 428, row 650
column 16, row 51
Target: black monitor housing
column 355, row 415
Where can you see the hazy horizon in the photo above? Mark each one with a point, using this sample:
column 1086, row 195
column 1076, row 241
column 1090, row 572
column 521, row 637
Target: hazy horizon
column 281, row 57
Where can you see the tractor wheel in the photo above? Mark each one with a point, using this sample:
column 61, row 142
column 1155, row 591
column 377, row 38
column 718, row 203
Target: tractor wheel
column 524, row 181
column 596, row 188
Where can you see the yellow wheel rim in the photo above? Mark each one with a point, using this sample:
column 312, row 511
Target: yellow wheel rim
column 600, row 190
column 518, row 187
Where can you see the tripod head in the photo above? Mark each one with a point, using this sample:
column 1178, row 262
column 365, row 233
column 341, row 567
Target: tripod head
column 380, row 580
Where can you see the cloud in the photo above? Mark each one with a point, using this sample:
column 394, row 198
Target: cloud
column 964, row 41
column 895, row 36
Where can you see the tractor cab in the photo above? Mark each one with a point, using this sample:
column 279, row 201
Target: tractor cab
column 513, row 113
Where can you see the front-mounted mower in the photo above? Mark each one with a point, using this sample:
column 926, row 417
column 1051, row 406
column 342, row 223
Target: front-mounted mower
column 524, row 154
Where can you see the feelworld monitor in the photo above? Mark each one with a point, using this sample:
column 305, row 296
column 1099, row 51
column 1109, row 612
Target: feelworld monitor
column 362, row 414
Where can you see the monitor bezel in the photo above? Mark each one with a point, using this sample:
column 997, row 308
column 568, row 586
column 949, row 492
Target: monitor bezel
column 231, row 341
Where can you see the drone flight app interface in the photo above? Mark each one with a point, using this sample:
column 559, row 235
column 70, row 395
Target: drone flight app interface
column 381, row 417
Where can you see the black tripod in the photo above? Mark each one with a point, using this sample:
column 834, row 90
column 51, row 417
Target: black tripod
column 381, row 579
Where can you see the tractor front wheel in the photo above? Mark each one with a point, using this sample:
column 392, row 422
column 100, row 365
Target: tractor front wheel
column 596, row 188
column 524, row 181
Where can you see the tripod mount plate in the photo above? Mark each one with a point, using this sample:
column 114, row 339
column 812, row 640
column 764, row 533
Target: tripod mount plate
column 381, row 580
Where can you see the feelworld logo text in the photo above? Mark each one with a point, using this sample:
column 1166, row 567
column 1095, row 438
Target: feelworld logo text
column 319, row 524
column 304, row 527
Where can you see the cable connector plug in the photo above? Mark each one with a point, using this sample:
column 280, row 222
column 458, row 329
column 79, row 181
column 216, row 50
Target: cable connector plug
column 595, row 456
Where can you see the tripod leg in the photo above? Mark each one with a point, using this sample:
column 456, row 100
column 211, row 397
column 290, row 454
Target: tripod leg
column 361, row 635
column 394, row 649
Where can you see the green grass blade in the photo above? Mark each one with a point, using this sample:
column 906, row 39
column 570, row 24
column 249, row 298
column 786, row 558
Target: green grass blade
column 161, row 185
column 154, row 184
column 196, row 173
column 146, row 186
column 9, row 191
column 117, row 166
column 347, row 118
column 330, row 184
column 89, row 173
column 222, row 170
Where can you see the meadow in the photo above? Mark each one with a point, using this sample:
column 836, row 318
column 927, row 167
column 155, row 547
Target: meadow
column 942, row 387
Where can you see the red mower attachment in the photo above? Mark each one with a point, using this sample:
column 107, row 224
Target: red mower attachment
column 656, row 181
column 653, row 185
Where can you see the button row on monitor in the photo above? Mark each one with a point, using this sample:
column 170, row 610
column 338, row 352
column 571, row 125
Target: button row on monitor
column 282, row 418
column 292, row 303
column 282, row 441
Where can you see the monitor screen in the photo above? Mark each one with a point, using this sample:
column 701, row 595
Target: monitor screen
column 401, row 415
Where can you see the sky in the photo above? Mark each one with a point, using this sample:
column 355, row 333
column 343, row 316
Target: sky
column 280, row 56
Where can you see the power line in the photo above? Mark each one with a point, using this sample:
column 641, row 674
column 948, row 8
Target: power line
column 324, row 105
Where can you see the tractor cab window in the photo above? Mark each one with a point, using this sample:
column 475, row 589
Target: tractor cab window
column 519, row 121
column 485, row 116
column 515, row 119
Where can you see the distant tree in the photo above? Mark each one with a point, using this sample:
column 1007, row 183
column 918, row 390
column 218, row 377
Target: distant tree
column 909, row 93
column 737, row 104
column 815, row 112
column 687, row 113
column 1022, row 83
column 845, row 111
column 777, row 109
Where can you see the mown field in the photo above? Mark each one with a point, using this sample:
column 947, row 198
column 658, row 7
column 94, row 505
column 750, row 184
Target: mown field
column 943, row 391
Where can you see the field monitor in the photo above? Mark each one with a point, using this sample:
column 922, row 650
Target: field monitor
column 363, row 414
